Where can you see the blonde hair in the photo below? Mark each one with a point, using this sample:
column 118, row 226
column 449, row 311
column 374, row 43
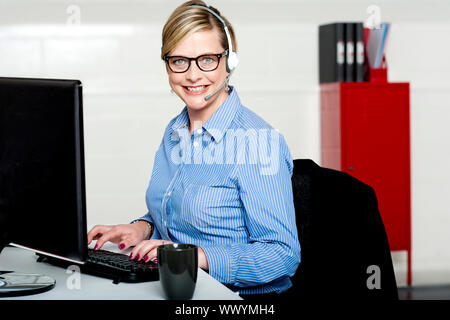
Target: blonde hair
column 186, row 20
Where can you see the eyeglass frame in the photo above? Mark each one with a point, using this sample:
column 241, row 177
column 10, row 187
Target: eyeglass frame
column 218, row 55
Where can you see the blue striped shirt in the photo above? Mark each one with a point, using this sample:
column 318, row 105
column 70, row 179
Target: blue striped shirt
column 227, row 188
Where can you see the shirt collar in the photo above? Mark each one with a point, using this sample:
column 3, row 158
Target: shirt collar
column 219, row 122
column 182, row 120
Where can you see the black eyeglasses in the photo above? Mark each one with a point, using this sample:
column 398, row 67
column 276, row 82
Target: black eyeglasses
column 206, row 62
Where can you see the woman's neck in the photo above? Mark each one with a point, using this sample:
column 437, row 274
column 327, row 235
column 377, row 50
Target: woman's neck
column 198, row 117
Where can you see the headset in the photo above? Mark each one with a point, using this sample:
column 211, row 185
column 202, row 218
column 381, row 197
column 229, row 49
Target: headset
column 232, row 58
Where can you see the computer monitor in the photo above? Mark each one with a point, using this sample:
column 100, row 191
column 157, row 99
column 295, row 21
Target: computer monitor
column 42, row 177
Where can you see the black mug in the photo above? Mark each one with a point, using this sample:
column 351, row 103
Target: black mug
column 177, row 265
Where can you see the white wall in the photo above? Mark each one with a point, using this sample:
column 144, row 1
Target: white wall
column 115, row 52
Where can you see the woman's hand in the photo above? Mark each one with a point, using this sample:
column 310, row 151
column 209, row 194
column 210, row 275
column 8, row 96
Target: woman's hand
column 125, row 235
column 147, row 251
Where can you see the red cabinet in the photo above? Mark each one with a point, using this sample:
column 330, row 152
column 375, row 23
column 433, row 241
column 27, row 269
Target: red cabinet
column 365, row 132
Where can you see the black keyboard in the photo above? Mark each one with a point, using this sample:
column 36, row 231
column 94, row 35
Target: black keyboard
column 112, row 265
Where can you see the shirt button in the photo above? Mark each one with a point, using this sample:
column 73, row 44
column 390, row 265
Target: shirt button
column 165, row 223
column 195, row 143
column 199, row 131
column 169, row 193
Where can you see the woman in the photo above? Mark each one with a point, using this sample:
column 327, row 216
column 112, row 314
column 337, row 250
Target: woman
column 222, row 175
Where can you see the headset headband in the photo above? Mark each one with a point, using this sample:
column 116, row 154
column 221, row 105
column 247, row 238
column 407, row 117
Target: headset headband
column 232, row 60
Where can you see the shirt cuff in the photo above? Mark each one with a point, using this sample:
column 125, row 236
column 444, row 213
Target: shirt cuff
column 156, row 234
column 222, row 263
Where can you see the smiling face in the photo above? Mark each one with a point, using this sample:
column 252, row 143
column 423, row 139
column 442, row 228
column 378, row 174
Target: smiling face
column 194, row 85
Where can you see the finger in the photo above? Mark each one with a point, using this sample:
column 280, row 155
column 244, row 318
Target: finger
column 146, row 251
column 132, row 239
column 92, row 234
column 108, row 236
column 98, row 236
column 128, row 237
column 144, row 247
column 125, row 243
column 149, row 251
column 96, row 232
column 135, row 252
column 151, row 255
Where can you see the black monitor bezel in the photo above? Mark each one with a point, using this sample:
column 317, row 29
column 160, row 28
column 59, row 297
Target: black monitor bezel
column 77, row 92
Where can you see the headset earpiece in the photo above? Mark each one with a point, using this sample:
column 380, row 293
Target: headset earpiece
column 232, row 61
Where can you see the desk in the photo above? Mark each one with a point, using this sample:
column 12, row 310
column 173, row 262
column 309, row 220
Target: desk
column 94, row 288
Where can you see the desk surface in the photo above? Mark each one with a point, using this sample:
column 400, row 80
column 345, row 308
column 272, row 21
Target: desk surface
column 91, row 287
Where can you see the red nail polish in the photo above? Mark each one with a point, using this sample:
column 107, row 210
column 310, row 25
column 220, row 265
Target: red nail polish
column 131, row 256
column 138, row 256
column 145, row 258
column 121, row 246
column 96, row 246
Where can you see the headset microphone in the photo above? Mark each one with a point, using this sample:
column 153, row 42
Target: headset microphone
column 220, row 88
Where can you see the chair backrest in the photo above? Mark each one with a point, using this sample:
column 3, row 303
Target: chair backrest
column 344, row 248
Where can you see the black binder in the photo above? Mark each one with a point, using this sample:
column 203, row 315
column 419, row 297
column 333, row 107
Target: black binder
column 349, row 52
column 359, row 52
column 331, row 53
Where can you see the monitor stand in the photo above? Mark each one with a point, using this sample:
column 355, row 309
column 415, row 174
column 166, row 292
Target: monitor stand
column 13, row 284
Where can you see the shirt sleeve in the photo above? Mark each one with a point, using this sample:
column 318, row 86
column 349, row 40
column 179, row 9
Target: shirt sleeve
column 273, row 250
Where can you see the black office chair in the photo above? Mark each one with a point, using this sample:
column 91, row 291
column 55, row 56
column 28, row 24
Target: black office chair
column 344, row 247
